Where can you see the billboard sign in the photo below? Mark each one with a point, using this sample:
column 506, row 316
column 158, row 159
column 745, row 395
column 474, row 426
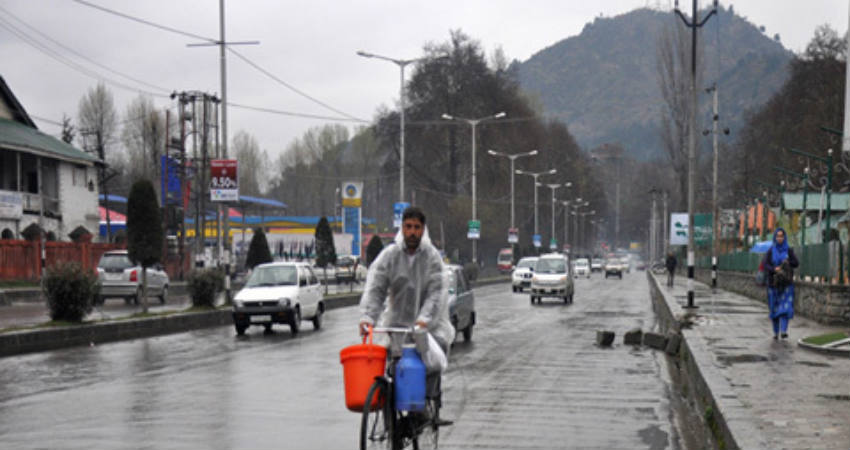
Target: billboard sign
column 224, row 184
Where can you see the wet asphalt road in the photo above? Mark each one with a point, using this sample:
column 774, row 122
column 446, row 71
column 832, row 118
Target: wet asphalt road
column 531, row 378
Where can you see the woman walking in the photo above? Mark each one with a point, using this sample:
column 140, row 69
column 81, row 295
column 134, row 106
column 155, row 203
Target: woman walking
column 779, row 263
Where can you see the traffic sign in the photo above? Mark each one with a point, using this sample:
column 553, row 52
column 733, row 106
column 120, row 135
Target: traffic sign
column 553, row 244
column 398, row 211
column 536, row 240
column 513, row 235
column 474, row 230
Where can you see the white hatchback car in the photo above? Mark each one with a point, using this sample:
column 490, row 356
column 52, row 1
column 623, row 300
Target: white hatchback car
column 552, row 278
column 279, row 292
column 521, row 277
column 119, row 277
column 582, row 268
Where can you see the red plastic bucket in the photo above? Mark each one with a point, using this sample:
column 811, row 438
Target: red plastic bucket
column 361, row 363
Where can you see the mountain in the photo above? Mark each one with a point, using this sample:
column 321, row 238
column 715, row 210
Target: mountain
column 603, row 82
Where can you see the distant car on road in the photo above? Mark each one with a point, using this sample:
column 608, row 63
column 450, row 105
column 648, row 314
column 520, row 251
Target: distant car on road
column 582, row 268
column 596, row 265
column 119, row 277
column 552, row 278
column 279, row 292
column 614, row 267
column 521, row 277
column 461, row 301
column 349, row 269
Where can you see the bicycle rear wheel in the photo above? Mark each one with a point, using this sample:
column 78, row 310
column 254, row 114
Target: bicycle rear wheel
column 376, row 426
column 429, row 432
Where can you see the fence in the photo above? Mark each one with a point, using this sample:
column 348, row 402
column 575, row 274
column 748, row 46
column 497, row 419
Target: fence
column 21, row 260
column 821, row 261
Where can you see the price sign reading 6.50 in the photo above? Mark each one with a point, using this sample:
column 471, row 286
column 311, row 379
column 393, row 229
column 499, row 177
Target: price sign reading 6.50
column 224, row 183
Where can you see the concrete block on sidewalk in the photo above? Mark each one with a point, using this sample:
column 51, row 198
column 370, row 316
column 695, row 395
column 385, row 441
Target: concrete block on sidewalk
column 657, row 341
column 633, row 337
column 604, row 338
column 673, row 342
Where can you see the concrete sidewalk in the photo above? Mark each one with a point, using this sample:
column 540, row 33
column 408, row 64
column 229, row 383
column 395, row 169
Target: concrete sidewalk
column 763, row 394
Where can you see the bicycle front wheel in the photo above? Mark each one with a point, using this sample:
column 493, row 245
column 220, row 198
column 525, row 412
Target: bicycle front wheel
column 429, row 432
column 376, row 426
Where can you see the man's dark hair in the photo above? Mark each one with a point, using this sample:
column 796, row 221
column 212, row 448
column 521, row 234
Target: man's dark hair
column 413, row 212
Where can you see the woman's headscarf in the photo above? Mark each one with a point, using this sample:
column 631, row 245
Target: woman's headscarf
column 779, row 252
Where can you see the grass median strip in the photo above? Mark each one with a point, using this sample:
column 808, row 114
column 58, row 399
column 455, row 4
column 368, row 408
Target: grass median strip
column 826, row 339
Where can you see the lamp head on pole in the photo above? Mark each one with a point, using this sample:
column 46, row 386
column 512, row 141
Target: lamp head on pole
column 499, row 115
column 532, row 153
column 552, row 171
column 447, row 117
column 365, row 54
column 493, row 152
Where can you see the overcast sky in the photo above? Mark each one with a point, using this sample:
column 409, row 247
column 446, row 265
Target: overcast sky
column 310, row 45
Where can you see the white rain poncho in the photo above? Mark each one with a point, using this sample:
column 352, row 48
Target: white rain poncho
column 398, row 285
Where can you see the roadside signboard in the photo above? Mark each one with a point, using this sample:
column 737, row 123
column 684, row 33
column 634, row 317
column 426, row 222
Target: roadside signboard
column 536, row 240
column 474, row 229
column 398, row 211
column 513, row 235
column 224, row 184
column 352, row 194
column 553, row 244
column 679, row 229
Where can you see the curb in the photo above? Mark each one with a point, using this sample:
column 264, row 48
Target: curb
column 702, row 378
column 843, row 352
column 29, row 341
column 42, row 339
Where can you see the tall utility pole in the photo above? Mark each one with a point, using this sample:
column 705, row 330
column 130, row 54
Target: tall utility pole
column 222, row 45
column 694, row 24
column 512, row 158
column 715, row 117
column 474, row 123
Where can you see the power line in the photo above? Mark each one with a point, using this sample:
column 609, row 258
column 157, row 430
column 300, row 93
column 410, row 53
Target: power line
column 296, row 114
column 237, row 54
column 290, row 87
column 80, row 55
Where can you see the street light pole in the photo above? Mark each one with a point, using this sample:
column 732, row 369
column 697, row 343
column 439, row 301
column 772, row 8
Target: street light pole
column 535, row 175
column 554, row 187
column 512, row 158
column 474, row 123
column 401, row 63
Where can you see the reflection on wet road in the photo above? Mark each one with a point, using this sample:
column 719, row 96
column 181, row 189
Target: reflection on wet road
column 531, row 378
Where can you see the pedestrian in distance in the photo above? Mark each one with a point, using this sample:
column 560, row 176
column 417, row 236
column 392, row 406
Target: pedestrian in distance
column 671, row 263
column 779, row 264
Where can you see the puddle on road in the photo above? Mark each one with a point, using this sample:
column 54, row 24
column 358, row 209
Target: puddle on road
column 612, row 314
column 839, row 397
column 654, row 437
column 745, row 358
column 813, row 364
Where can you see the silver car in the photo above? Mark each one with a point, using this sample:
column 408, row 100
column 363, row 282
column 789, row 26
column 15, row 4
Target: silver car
column 119, row 277
column 461, row 301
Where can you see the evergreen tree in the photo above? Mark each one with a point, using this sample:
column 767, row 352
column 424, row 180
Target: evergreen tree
column 258, row 251
column 373, row 249
column 144, row 230
column 325, row 250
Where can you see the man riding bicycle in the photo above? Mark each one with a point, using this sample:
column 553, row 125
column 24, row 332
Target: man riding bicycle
column 408, row 276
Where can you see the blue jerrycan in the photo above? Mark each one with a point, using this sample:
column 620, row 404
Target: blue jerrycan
column 410, row 381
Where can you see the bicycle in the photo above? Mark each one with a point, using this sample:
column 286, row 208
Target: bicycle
column 384, row 427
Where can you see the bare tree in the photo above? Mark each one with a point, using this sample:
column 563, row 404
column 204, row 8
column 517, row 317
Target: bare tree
column 253, row 164
column 673, row 75
column 97, row 122
column 143, row 137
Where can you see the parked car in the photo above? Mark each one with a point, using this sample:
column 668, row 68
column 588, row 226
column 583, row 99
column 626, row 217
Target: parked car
column 596, row 265
column 279, row 293
column 349, row 269
column 461, row 301
column 119, row 277
column 582, row 268
column 521, row 277
column 552, row 278
column 614, row 267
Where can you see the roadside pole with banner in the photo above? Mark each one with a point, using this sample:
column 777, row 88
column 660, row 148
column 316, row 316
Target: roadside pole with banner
column 536, row 240
column 513, row 235
column 553, row 244
column 224, row 188
column 474, row 231
column 352, row 194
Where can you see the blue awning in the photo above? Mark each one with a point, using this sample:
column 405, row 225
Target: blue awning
column 262, row 201
column 113, row 198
